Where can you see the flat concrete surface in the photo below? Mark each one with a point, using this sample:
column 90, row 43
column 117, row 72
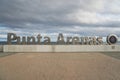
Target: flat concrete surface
column 60, row 66
column 2, row 54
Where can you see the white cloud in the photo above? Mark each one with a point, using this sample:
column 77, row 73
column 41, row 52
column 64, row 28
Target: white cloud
column 3, row 36
column 54, row 16
column 112, row 6
column 81, row 16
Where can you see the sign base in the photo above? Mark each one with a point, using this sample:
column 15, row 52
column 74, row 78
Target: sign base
column 61, row 48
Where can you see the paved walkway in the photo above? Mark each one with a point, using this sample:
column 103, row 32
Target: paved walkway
column 59, row 66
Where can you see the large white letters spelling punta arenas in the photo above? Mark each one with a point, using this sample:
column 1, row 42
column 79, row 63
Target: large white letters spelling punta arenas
column 61, row 40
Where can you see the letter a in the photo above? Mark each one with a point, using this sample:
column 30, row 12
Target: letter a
column 60, row 39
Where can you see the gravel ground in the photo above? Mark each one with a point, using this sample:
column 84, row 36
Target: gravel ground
column 59, row 66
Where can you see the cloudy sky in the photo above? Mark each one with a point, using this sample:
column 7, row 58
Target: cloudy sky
column 50, row 17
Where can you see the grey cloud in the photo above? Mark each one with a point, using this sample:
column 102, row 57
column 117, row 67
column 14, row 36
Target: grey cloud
column 52, row 15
